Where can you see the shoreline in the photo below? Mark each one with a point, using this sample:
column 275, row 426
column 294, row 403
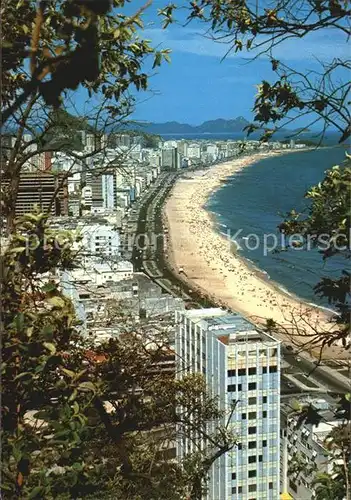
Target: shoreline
column 201, row 256
column 265, row 277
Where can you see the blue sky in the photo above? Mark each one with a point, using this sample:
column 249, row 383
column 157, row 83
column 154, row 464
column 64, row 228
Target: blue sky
column 198, row 86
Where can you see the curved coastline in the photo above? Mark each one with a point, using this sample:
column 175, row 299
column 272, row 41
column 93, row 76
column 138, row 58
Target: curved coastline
column 207, row 262
column 264, row 275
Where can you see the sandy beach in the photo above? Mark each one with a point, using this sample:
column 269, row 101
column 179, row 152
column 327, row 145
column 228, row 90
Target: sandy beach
column 207, row 261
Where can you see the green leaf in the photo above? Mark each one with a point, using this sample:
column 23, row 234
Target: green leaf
column 47, row 332
column 76, row 408
column 50, row 347
column 166, row 57
column 295, row 405
column 17, row 250
column 79, row 374
column 87, row 386
column 77, row 466
column 49, row 287
column 157, row 60
column 57, row 302
column 19, row 321
column 36, row 492
column 70, row 373
column 73, row 395
column 23, row 374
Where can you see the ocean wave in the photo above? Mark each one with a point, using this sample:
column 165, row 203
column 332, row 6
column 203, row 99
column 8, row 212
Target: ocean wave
column 323, row 308
column 225, row 235
column 258, row 270
column 284, row 290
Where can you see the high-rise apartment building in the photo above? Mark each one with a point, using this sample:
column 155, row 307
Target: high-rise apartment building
column 103, row 188
column 169, row 158
column 240, row 364
column 42, row 190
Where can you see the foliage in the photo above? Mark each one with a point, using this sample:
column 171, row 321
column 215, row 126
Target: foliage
column 327, row 488
column 50, row 51
column 64, row 131
column 326, row 227
column 337, row 484
column 92, row 44
column 150, row 140
column 81, row 420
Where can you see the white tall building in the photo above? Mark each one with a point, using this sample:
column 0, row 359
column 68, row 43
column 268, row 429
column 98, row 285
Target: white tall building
column 100, row 240
column 107, row 187
column 240, row 364
column 193, row 151
column 102, row 273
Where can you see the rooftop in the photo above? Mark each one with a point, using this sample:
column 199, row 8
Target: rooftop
column 229, row 321
column 228, row 326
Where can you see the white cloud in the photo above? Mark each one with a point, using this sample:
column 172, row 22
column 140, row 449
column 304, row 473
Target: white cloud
column 321, row 45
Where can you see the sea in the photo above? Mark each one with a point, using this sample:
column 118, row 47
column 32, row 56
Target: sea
column 253, row 202
column 328, row 138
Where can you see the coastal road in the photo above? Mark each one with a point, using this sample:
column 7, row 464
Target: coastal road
column 330, row 378
column 149, row 257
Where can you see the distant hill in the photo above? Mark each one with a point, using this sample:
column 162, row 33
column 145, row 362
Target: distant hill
column 219, row 126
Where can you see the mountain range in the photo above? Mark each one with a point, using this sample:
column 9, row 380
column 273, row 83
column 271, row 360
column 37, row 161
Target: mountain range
column 218, row 126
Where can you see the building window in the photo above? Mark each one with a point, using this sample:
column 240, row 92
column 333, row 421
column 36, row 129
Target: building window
column 260, row 458
column 233, row 476
column 252, row 430
column 252, row 459
column 264, row 414
column 271, row 486
column 252, row 371
column 240, row 446
column 252, row 386
column 252, row 488
column 252, row 445
column 264, row 399
column 241, row 372
column 252, row 415
column 264, row 369
column 264, row 442
column 240, row 489
column 252, row 401
column 240, row 387
column 273, row 369
column 252, row 473
column 231, row 373
column 243, row 416
column 231, row 388
column 234, row 490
